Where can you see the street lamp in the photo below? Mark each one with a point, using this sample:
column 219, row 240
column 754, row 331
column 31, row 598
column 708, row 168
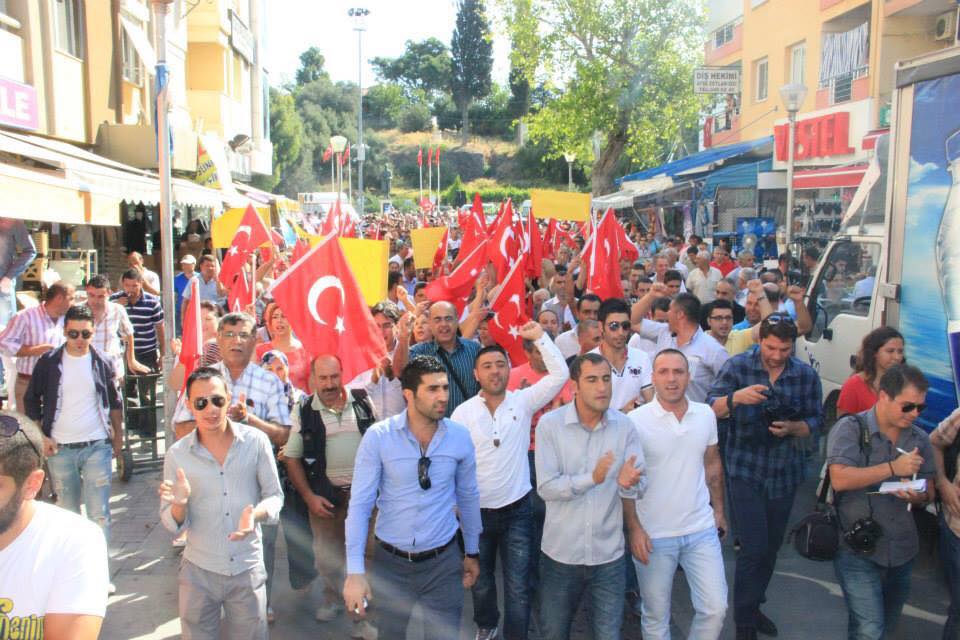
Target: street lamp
column 569, row 157
column 338, row 144
column 359, row 15
column 792, row 95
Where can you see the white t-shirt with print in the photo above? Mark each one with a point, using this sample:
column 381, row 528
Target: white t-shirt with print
column 635, row 376
column 58, row 564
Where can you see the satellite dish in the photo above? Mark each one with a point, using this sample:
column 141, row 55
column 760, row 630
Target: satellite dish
column 749, row 241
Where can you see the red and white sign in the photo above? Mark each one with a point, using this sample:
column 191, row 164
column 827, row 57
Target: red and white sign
column 827, row 137
column 18, row 105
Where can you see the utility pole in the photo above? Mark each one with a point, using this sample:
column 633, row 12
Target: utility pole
column 359, row 15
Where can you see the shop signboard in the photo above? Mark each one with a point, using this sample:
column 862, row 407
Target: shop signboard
column 828, row 137
column 18, row 105
column 716, row 80
column 241, row 38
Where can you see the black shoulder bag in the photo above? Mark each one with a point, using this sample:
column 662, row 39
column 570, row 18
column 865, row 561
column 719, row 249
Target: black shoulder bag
column 453, row 372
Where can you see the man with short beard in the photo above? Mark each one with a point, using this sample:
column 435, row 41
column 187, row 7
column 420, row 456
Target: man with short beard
column 53, row 563
column 499, row 425
column 630, row 366
column 110, row 325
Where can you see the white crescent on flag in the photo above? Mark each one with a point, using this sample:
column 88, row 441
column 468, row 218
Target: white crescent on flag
column 503, row 242
column 244, row 228
column 321, row 285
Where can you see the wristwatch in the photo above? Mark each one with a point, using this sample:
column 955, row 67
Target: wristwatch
column 475, row 556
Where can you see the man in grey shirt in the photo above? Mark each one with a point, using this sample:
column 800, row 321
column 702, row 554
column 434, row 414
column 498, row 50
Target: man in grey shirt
column 874, row 572
column 590, row 473
column 220, row 482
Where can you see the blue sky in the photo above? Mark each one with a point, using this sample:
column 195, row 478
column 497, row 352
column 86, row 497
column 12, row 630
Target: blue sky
column 294, row 26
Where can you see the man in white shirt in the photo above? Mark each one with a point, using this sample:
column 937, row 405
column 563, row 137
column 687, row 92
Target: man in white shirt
column 682, row 331
column 630, row 366
column 53, row 563
column 587, row 307
column 682, row 510
column 499, row 425
column 151, row 281
column 702, row 281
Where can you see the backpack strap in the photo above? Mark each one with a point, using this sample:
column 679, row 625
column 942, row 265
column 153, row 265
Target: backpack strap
column 363, row 409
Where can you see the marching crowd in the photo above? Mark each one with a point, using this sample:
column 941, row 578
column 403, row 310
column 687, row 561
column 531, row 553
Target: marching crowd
column 643, row 430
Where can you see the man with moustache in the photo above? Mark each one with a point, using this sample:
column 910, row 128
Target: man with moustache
column 499, row 425
column 417, row 467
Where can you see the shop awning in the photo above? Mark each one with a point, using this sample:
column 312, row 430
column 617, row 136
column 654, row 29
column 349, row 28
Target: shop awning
column 831, row 178
column 870, row 140
column 704, row 161
column 633, row 189
column 49, row 195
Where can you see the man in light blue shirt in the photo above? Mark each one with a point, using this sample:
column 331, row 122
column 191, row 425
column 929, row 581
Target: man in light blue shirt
column 416, row 466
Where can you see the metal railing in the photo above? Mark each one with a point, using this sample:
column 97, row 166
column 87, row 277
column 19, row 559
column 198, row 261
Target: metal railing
column 841, row 86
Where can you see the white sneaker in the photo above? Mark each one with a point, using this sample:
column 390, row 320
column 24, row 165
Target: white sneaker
column 111, row 589
column 488, row 634
column 328, row 612
column 363, row 630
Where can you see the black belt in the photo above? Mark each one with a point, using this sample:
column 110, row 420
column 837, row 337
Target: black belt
column 510, row 507
column 415, row 557
column 81, row 445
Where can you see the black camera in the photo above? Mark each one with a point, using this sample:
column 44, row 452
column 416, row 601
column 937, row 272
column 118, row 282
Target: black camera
column 776, row 410
column 862, row 537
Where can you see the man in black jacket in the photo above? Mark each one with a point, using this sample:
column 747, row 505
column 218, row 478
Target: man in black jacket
column 73, row 396
column 319, row 454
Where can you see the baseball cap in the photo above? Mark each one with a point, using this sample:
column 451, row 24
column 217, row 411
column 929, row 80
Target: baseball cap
column 189, row 259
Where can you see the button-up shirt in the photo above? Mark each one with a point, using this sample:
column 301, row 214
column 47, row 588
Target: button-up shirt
column 462, row 362
column 899, row 542
column 502, row 439
column 584, row 521
column 411, row 518
column 218, row 494
column 265, row 395
column 208, row 290
column 28, row 328
column 145, row 314
column 704, row 355
column 753, row 453
column 107, row 333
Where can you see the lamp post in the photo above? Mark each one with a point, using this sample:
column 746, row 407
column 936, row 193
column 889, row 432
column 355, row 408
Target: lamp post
column 792, row 95
column 339, row 145
column 359, row 15
column 160, row 10
column 569, row 157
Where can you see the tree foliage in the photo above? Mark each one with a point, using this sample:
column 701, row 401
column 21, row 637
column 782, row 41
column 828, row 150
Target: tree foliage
column 472, row 51
column 286, row 134
column 311, row 66
column 423, row 67
column 626, row 68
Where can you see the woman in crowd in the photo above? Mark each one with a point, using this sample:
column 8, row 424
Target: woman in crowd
column 209, row 318
column 881, row 349
column 281, row 339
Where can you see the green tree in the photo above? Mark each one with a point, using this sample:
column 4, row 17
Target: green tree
column 519, row 14
column 423, row 67
column 287, row 136
column 627, row 67
column 311, row 66
column 472, row 52
column 383, row 105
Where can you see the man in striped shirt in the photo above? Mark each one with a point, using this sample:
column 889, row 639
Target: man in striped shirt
column 146, row 316
column 34, row 331
column 112, row 330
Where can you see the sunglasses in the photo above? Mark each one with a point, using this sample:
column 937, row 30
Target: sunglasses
column 201, row 403
column 909, row 407
column 10, row 426
column 617, row 326
column 423, row 472
column 778, row 318
column 73, row 334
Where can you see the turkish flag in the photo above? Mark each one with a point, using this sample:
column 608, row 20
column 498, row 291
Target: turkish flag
column 534, row 248
column 327, row 153
column 437, row 156
column 345, row 158
column 300, row 249
column 250, row 234
column 429, row 156
column 441, row 253
column 496, row 219
column 348, row 226
column 473, row 229
column 627, row 250
column 509, row 314
column 332, row 223
column 550, row 240
column 335, row 319
column 191, row 342
column 457, row 286
column 420, row 156
column 241, row 293
column 604, row 271
column 504, row 247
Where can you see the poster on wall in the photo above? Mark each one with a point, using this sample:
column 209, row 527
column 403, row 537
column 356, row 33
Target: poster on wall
column 930, row 318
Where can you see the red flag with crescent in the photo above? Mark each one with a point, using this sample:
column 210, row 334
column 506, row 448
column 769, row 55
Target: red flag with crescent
column 335, row 319
column 509, row 314
column 250, row 234
column 504, row 247
column 535, row 252
column 457, row 286
column 420, row 156
column 604, row 269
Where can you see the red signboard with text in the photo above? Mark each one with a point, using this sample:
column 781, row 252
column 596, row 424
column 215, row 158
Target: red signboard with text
column 819, row 137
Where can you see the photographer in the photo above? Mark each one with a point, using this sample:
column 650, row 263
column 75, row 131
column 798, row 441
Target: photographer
column 879, row 537
column 766, row 400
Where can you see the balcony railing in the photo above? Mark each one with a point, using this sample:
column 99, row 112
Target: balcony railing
column 841, row 86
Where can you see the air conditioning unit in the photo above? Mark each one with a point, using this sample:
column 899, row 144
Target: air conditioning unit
column 945, row 27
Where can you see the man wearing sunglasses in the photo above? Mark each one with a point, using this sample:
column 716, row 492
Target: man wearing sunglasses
column 220, row 484
column 74, row 397
column 630, row 366
column 418, row 467
column 877, row 585
column 53, row 563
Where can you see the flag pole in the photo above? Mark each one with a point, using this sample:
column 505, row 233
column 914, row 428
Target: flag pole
column 349, row 180
column 333, row 181
column 438, row 177
column 430, row 176
column 593, row 247
column 420, row 162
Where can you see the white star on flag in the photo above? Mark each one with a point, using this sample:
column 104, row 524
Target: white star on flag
column 339, row 328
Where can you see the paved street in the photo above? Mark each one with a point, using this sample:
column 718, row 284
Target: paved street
column 804, row 598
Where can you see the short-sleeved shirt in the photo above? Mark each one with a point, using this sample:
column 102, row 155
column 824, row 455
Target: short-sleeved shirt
column 899, row 542
column 462, row 362
column 943, row 436
column 265, row 395
column 632, row 379
column 738, row 341
column 343, row 439
column 704, row 355
column 856, row 396
column 208, row 290
column 145, row 314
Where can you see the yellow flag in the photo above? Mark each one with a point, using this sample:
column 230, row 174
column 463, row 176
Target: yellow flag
column 223, row 228
column 562, row 205
column 368, row 261
column 425, row 243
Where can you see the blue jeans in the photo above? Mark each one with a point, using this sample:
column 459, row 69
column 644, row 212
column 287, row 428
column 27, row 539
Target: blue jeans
column 509, row 532
column 84, row 474
column 875, row 595
column 562, row 587
column 761, row 523
column 950, row 556
column 702, row 560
